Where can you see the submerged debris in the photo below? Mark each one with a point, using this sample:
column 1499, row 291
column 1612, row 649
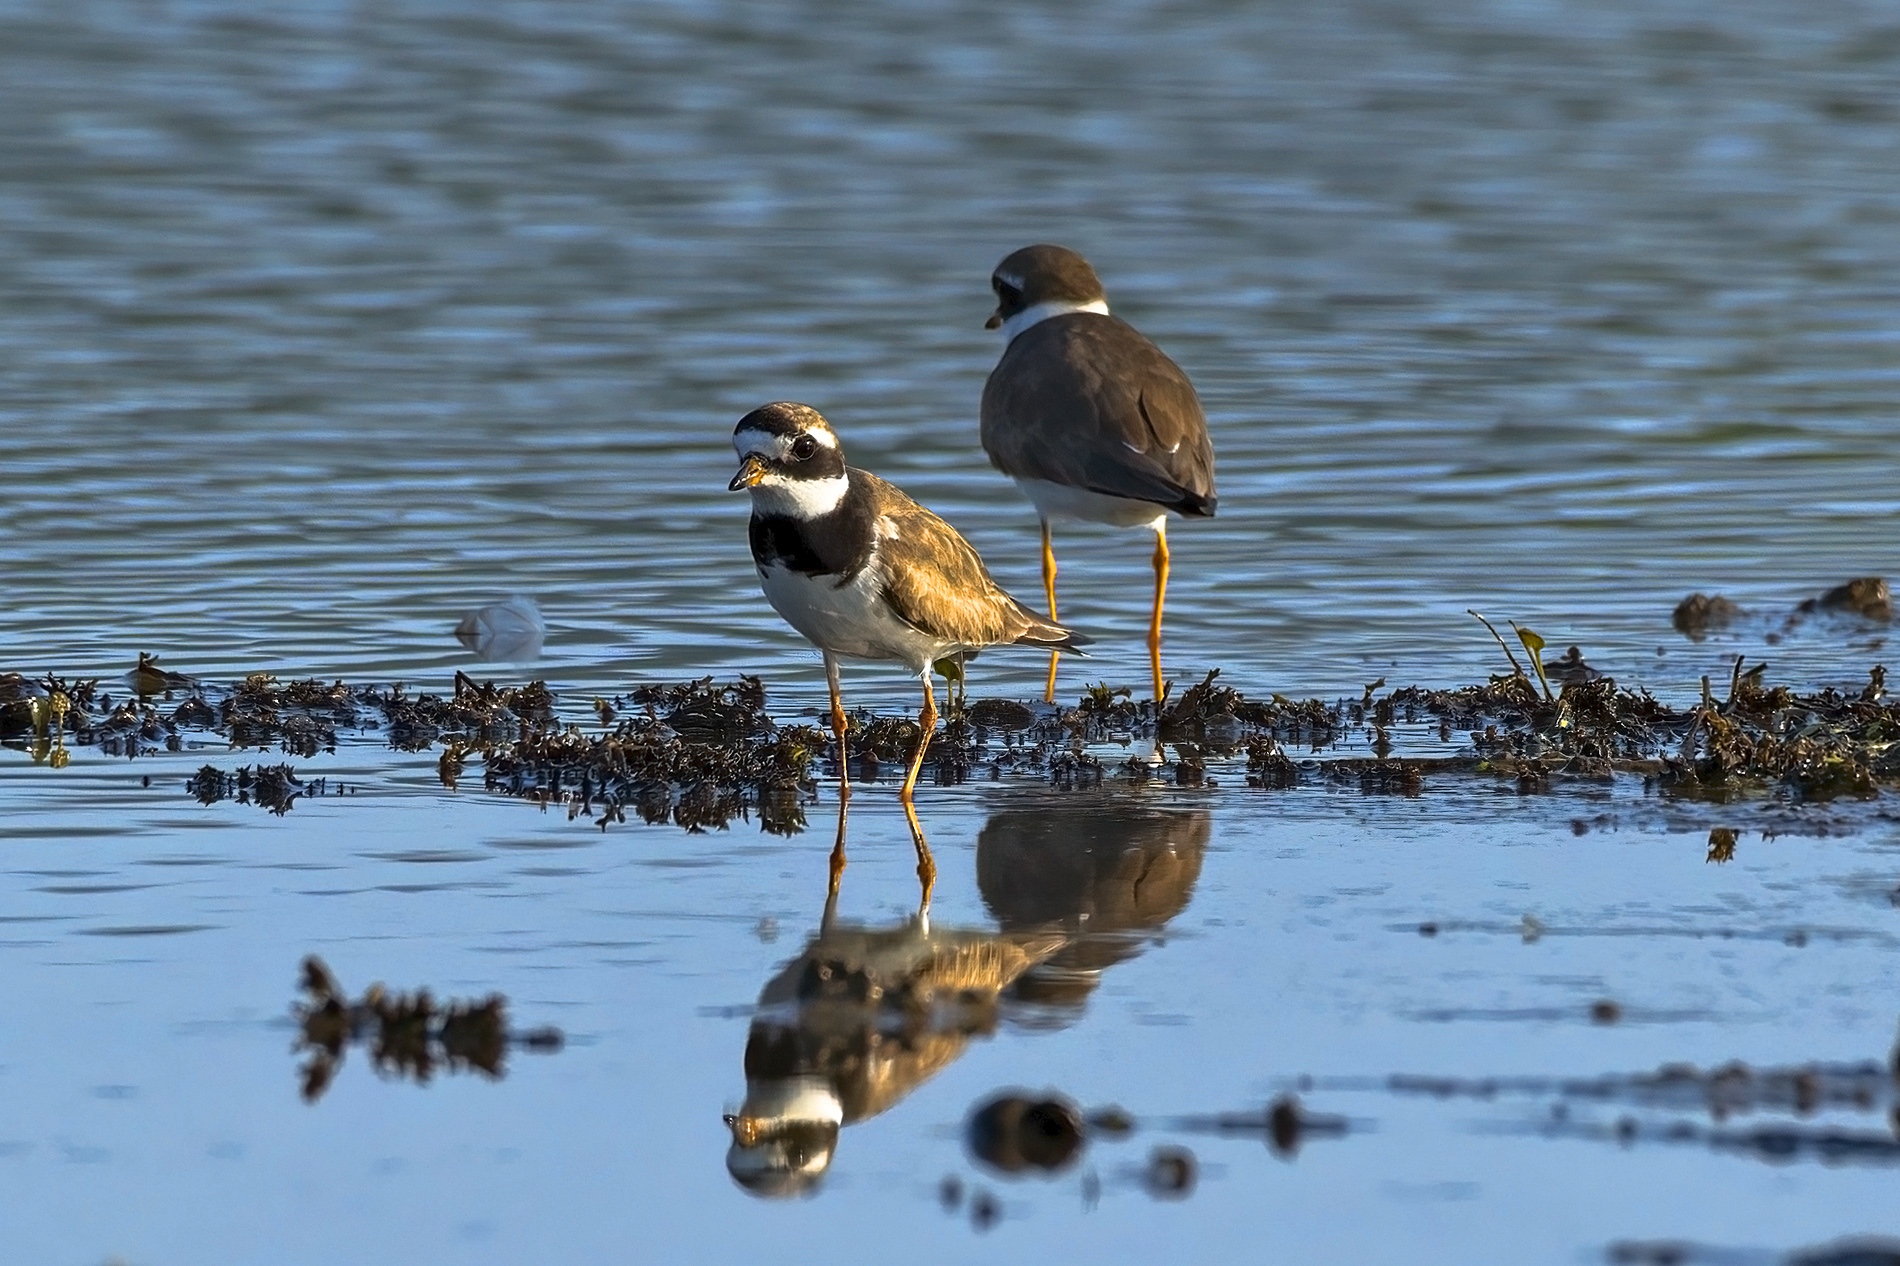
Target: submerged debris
column 299, row 717
column 1171, row 1172
column 408, row 1035
column 1654, row 1107
column 148, row 679
column 1855, row 1250
column 1700, row 614
column 1867, row 597
column 1014, row 1133
column 1284, row 1124
column 272, row 787
column 698, row 755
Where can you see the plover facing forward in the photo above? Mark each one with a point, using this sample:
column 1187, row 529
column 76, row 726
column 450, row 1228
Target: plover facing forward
column 864, row 572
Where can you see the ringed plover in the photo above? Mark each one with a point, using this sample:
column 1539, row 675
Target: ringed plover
column 1091, row 420
column 864, row 572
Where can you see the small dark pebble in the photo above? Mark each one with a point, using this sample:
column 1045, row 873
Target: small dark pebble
column 1428, row 929
column 146, row 781
column 984, row 1210
column 1284, row 1125
column 950, row 1193
column 1001, row 714
column 1171, row 1173
column 1013, row 1133
column 543, row 1039
column 1868, row 1250
column 1697, row 615
column 1867, row 596
column 1604, row 1011
column 1111, row 1120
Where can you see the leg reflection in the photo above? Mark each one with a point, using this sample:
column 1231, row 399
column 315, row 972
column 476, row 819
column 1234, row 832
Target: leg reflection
column 837, row 861
column 926, row 865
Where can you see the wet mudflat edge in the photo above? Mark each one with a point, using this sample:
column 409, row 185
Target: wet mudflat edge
column 1323, row 1001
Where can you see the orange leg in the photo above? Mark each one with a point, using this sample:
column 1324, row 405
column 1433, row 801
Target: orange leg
column 1049, row 587
column 844, row 769
column 1161, row 592
column 926, row 728
column 838, row 726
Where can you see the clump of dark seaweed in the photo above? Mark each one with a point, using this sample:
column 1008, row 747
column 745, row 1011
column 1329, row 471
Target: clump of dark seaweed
column 1013, row 1133
column 272, row 787
column 702, row 712
column 299, row 717
column 1701, row 614
column 698, row 755
column 475, row 711
column 408, row 1035
column 1865, row 598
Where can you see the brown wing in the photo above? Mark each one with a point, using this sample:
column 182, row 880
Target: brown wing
column 935, row 582
column 1087, row 401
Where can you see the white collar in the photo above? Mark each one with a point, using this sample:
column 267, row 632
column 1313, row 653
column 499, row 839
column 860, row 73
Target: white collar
column 1046, row 309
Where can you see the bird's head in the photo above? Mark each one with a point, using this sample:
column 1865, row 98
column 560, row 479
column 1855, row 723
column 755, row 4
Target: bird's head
column 790, row 459
column 1042, row 281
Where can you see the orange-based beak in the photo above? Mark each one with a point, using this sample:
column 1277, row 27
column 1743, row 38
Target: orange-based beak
column 995, row 322
column 751, row 471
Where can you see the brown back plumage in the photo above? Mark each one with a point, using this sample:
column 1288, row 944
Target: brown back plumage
column 935, row 582
column 1087, row 401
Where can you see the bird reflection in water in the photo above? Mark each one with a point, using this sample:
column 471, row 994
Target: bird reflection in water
column 864, row 1015
column 1110, row 876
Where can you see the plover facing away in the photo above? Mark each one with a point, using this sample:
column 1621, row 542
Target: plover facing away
column 864, row 572
column 1091, row 420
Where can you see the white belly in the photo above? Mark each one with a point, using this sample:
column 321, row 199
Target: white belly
column 853, row 621
column 1059, row 501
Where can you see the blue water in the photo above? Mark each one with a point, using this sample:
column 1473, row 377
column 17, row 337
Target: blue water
column 323, row 324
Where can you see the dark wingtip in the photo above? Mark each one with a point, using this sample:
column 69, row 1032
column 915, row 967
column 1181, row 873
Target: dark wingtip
column 1197, row 507
column 1056, row 638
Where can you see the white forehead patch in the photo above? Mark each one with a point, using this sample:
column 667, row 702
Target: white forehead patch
column 772, row 446
column 1009, row 279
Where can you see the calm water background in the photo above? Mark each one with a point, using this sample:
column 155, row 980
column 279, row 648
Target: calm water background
column 320, row 324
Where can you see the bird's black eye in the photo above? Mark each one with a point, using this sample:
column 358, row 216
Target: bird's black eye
column 803, row 447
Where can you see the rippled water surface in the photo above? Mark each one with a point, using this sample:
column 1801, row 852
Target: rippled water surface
column 321, row 324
